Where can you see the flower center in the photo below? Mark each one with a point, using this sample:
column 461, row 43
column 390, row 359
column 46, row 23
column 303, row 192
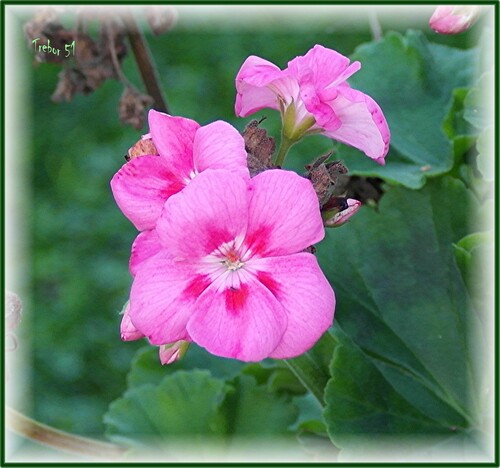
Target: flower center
column 232, row 261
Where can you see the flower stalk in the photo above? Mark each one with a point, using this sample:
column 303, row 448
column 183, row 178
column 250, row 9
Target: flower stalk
column 60, row 440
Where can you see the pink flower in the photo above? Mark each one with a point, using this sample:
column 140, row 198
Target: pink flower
column 185, row 149
column 230, row 274
column 314, row 97
column 453, row 19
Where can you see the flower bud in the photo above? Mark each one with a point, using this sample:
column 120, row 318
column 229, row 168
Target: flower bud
column 336, row 213
column 172, row 352
column 127, row 330
column 453, row 19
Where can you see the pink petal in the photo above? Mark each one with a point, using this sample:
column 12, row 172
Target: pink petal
column 162, row 298
column 210, row 211
column 363, row 123
column 146, row 245
column 300, row 287
column 141, row 187
column 220, row 146
column 284, row 214
column 127, row 330
column 453, row 19
column 325, row 67
column 244, row 323
column 173, row 138
column 252, row 86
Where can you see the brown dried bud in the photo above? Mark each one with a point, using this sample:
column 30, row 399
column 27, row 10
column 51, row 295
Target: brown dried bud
column 143, row 147
column 260, row 148
column 161, row 18
column 71, row 81
column 132, row 107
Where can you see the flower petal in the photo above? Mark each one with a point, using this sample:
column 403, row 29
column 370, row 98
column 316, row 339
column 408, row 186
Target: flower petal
column 301, row 288
column 146, row 245
column 162, row 298
column 127, row 330
column 363, row 123
column 220, row 146
column 244, row 323
column 141, row 187
column 209, row 212
column 324, row 67
column 284, row 214
column 252, row 89
column 173, row 138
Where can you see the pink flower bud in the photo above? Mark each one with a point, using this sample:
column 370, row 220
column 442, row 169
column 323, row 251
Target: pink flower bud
column 172, row 352
column 453, row 19
column 127, row 330
column 343, row 216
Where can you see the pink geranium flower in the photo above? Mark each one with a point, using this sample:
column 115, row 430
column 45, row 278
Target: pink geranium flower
column 454, row 19
column 314, row 97
column 230, row 273
column 185, row 149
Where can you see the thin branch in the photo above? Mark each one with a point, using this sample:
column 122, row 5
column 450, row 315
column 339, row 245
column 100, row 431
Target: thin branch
column 375, row 26
column 54, row 438
column 145, row 63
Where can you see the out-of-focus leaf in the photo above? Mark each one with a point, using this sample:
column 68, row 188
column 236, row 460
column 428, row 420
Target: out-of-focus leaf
column 185, row 404
column 403, row 303
column 412, row 80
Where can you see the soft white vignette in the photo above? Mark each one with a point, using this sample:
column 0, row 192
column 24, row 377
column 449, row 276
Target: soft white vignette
column 18, row 81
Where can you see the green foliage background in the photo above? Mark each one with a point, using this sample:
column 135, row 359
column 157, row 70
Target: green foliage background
column 81, row 241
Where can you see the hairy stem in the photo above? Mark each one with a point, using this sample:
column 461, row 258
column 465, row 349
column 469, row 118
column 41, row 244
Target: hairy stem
column 285, row 145
column 60, row 440
column 145, row 63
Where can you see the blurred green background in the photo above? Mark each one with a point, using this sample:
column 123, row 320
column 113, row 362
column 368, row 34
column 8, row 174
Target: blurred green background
column 80, row 239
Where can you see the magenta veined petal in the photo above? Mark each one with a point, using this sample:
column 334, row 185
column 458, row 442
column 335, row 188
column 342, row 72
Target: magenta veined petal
column 173, row 138
column 220, row 146
column 210, row 211
column 299, row 285
column 363, row 123
column 141, row 187
column 146, row 245
column 283, row 214
column 244, row 323
column 162, row 298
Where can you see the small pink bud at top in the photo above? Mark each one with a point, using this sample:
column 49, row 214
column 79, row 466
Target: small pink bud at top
column 343, row 216
column 127, row 330
column 453, row 19
column 172, row 352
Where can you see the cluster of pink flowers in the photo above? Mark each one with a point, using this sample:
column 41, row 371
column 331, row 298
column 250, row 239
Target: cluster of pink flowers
column 222, row 258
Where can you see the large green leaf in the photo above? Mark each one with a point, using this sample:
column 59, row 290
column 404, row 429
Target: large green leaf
column 403, row 303
column 184, row 404
column 413, row 81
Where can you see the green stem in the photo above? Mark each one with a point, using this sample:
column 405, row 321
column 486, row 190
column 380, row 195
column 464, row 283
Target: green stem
column 285, row 145
column 313, row 367
column 60, row 440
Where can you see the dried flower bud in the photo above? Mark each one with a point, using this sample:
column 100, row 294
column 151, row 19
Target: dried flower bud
column 132, row 107
column 259, row 146
column 13, row 311
column 143, row 147
column 161, row 18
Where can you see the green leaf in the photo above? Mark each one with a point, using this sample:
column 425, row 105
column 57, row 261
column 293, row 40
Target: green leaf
column 252, row 410
column 185, row 404
column 146, row 366
column 412, row 80
column 402, row 301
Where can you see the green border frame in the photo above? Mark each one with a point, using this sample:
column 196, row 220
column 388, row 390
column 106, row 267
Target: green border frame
column 496, row 320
